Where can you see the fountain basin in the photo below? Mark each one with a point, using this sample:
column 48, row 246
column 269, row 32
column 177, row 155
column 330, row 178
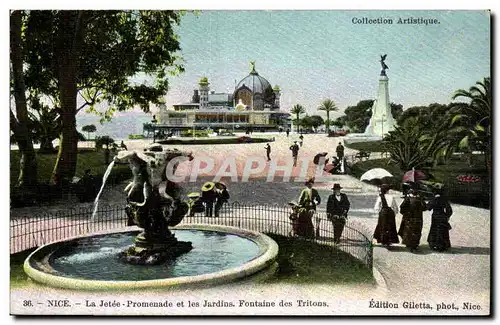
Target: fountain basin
column 220, row 254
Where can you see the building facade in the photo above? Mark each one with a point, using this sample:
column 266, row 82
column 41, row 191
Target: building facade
column 254, row 105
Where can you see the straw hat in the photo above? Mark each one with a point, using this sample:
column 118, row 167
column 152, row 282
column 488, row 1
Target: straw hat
column 208, row 186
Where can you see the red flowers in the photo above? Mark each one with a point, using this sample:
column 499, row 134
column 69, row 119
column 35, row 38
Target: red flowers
column 468, row 178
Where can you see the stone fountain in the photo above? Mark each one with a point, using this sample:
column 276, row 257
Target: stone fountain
column 148, row 255
column 153, row 204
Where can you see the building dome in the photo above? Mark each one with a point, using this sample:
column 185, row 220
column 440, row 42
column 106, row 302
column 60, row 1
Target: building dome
column 254, row 90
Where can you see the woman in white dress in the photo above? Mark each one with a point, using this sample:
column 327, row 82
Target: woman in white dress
column 387, row 208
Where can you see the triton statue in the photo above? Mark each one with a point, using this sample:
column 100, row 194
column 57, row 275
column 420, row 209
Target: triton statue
column 153, row 204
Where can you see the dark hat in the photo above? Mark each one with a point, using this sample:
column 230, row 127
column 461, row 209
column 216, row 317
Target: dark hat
column 336, row 186
column 310, row 181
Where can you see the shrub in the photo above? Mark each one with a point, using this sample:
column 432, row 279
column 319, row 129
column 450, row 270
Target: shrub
column 135, row 136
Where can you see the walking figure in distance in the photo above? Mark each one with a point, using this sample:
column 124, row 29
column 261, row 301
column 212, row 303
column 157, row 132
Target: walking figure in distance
column 123, row 146
column 337, row 208
column 340, row 155
column 295, row 152
column 439, row 234
column 387, row 208
column 301, row 140
column 268, row 152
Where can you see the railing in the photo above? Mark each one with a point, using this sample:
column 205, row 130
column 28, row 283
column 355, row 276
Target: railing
column 33, row 231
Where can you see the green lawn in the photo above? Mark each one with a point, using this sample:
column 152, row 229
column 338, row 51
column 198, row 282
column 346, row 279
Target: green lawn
column 303, row 262
column 371, row 146
column 17, row 276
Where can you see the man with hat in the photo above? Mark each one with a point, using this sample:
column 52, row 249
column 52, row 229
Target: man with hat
column 336, row 208
column 295, row 152
column 208, row 196
column 222, row 196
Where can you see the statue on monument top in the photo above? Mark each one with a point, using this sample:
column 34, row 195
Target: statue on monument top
column 384, row 66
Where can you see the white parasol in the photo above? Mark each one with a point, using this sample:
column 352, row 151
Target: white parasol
column 375, row 173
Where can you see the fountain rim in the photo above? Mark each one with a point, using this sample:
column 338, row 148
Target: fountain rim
column 261, row 262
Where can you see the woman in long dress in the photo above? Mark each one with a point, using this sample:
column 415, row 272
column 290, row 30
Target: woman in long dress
column 387, row 208
column 411, row 227
column 439, row 234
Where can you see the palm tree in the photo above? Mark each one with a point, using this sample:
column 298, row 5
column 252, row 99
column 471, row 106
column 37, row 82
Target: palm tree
column 328, row 106
column 404, row 145
column 474, row 119
column 45, row 124
column 414, row 145
column 298, row 109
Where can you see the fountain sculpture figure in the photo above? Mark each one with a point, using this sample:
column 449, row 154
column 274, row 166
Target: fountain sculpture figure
column 153, row 204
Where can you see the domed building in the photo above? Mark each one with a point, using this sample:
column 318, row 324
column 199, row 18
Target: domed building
column 254, row 105
column 255, row 91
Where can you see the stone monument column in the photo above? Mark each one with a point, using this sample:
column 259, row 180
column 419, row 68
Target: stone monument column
column 381, row 121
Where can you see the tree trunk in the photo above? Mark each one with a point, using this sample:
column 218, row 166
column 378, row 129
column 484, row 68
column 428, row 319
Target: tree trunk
column 68, row 47
column 328, row 119
column 28, row 166
column 46, row 146
column 65, row 167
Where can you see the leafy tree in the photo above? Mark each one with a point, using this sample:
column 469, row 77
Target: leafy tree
column 19, row 121
column 104, row 141
column 306, row 122
column 396, row 110
column 89, row 129
column 338, row 123
column 316, row 121
column 298, row 109
column 476, row 131
column 328, row 106
column 357, row 117
column 94, row 55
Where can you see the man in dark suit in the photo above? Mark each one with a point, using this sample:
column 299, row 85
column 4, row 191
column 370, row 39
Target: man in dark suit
column 337, row 208
column 295, row 152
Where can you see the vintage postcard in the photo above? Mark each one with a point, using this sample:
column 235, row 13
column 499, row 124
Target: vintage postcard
column 250, row 162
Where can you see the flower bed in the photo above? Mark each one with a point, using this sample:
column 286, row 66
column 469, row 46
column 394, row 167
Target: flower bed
column 468, row 179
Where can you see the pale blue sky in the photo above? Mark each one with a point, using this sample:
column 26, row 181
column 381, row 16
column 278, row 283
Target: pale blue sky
column 314, row 55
